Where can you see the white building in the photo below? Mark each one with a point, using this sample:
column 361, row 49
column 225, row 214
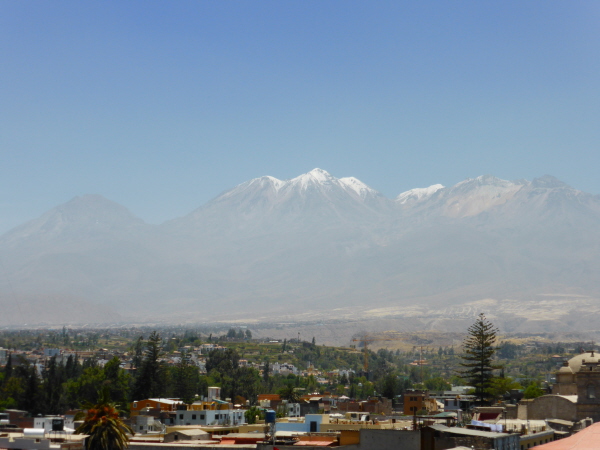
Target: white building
column 147, row 424
column 284, row 369
column 210, row 417
column 56, row 424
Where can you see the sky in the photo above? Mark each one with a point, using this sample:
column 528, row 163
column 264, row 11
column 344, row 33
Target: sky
column 160, row 105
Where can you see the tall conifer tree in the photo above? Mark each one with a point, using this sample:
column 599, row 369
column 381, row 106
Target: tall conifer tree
column 478, row 356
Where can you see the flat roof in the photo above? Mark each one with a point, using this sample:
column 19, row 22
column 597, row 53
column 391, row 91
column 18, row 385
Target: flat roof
column 162, row 400
column 468, row 432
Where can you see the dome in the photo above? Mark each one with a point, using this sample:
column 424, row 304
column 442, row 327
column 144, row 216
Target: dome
column 589, row 357
column 566, row 369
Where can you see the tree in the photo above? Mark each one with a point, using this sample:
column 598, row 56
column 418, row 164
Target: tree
column 501, row 386
column 252, row 413
column 117, row 381
column 152, row 379
column 437, row 384
column 533, row 390
column 289, row 393
column 185, row 379
column 479, row 351
column 388, row 386
column 105, row 429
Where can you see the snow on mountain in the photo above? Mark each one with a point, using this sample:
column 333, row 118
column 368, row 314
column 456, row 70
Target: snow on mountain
column 317, row 181
column 310, row 243
column 266, row 184
column 418, row 194
column 473, row 196
column 312, row 178
column 358, row 186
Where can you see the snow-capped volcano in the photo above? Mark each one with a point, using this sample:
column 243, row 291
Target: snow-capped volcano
column 418, row 194
column 314, row 190
column 317, row 180
column 313, row 242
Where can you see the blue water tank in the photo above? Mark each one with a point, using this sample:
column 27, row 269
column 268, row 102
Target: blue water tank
column 270, row 416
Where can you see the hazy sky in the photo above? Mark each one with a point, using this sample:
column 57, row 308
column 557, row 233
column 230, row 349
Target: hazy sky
column 160, row 106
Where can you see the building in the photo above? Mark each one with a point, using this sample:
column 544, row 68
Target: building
column 187, row 435
column 143, row 424
column 57, row 424
column 587, row 438
column 416, row 400
column 576, row 394
column 157, row 404
column 438, row 437
column 216, row 412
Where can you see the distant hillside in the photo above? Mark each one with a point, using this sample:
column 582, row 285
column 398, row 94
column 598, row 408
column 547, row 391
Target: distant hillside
column 317, row 247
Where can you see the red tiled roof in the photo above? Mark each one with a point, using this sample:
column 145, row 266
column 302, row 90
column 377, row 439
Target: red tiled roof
column 586, row 439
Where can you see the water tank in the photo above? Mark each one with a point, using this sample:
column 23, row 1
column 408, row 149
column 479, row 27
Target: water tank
column 58, row 424
column 33, row 433
column 270, row 416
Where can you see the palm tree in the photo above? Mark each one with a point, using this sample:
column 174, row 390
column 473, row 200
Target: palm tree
column 105, row 429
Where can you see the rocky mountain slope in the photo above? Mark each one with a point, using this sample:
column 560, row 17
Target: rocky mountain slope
column 316, row 247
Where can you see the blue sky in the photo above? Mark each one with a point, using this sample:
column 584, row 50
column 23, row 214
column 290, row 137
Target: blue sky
column 160, row 106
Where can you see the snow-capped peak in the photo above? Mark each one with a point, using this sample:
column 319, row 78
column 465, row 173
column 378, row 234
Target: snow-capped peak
column 315, row 182
column 418, row 194
column 315, row 176
column 357, row 186
column 266, row 182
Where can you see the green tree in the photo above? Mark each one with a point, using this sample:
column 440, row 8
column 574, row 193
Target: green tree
column 252, row 413
column 479, row 351
column 186, row 379
column 84, row 389
column 117, row 381
column 388, row 386
column 502, row 385
column 152, row 379
column 105, row 429
column 533, row 390
column 289, row 393
column 437, row 384
column 54, row 377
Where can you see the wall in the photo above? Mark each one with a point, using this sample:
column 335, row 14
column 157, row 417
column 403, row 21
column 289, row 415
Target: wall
column 552, row 407
column 301, row 426
column 531, row 440
column 390, row 439
column 26, row 444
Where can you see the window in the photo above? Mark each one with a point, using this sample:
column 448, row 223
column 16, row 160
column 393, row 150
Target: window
column 201, row 416
column 181, row 416
column 591, row 391
column 135, row 404
column 193, row 416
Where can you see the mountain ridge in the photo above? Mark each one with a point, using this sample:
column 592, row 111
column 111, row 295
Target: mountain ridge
column 313, row 243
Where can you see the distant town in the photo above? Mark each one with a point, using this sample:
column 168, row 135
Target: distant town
column 226, row 388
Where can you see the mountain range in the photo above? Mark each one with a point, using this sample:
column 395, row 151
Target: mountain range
column 317, row 248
